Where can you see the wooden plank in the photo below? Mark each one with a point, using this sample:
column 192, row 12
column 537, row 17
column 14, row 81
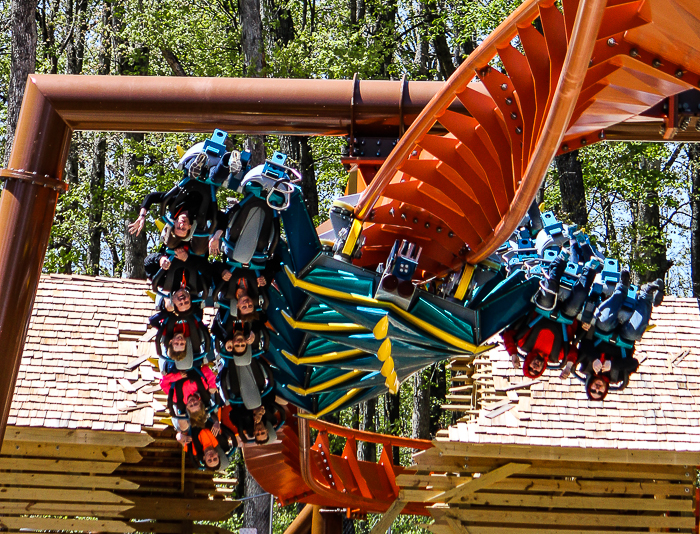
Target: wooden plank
column 57, row 465
column 575, row 454
column 66, row 481
column 456, row 526
column 176, row 509
column 77, row 437
column 440, row 482
column 132, row 455
column 580, row 502
column 51, row 523
column 62, row 495
column 388, row 518
column 598, row 519
column 484, row 481
column 176, row 528
column 444, row 528
column 48, row 450
column 62, row 508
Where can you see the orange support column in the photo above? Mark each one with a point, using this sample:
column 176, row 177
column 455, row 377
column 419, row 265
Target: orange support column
column 27, row 208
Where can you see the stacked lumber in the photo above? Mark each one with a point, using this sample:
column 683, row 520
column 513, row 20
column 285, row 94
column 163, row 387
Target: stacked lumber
column 494, row 489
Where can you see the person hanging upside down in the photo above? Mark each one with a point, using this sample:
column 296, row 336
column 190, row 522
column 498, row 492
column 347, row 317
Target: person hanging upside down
column 603, row 364
column 543, row 342
column 547, row 296
column 607, row 314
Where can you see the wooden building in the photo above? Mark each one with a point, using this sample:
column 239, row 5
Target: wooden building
column 539, row 457
column 86, row 449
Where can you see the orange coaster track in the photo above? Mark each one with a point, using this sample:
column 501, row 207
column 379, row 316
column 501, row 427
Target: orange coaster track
column 596, row 65
column 294, row 470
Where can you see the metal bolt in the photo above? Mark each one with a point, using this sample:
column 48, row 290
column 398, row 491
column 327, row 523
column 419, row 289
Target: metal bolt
column 687, row 490
column 379, row 142
column 403, row 216
column 514, row 115
column 427, row 225
column 509, row 101
column 379, row 153
column 504, row 86
column 687, row 474
column 601, row 135
column 679, row 73
column 584, row 142
column 415, row 220
column 565, row 148
column 518, row 130
column 634, row 52
column 612, row 41
column 450, row 234
column 656, row 63
column 439, row 229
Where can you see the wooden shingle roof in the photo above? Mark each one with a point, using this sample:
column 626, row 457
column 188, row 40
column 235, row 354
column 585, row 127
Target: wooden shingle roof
column 83, row 334
column 659, row 410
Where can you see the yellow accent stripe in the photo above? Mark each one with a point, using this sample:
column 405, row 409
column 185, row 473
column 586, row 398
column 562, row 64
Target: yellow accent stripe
column 349, row 395
column 381, row 329
column 467, row 275
column 151, row 294
column 323, row 358
column 368, row 301
column 327, row 384
column 353, row 235
column 384, row 350
column 180, row 151
column 160, row 225
column 323, row 327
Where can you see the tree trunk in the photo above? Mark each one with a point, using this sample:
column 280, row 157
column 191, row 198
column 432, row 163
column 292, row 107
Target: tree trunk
column 420, row 421
column 436, row 27
column 251, row 37
column 99, row 156
column 650, row 246
column 368, row 415
column 438, row 391
column 256, row 511
column 299, row 150
column 694, row 157
column 573, row 192
column 384, row 33
column 22, row 63
column 392, row 406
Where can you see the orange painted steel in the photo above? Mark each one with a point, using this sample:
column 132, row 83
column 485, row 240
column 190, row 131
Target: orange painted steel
column 597, row 65
column 297, row 470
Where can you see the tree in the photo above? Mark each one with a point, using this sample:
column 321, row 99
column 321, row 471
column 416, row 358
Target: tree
column 23, row 62
column 572, row 189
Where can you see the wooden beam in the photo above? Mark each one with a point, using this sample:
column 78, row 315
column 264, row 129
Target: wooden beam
column 66, row 481
column 388, row 518
column 62, row 508
column 176, row 509
column 77, row 437
column 442, row 483
column 51, row 523
column 575, row 454
column 49, row 450
column 60, row 495
column 598, row 519
column 58, row 465
column 484, row 481
column 580, row 502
